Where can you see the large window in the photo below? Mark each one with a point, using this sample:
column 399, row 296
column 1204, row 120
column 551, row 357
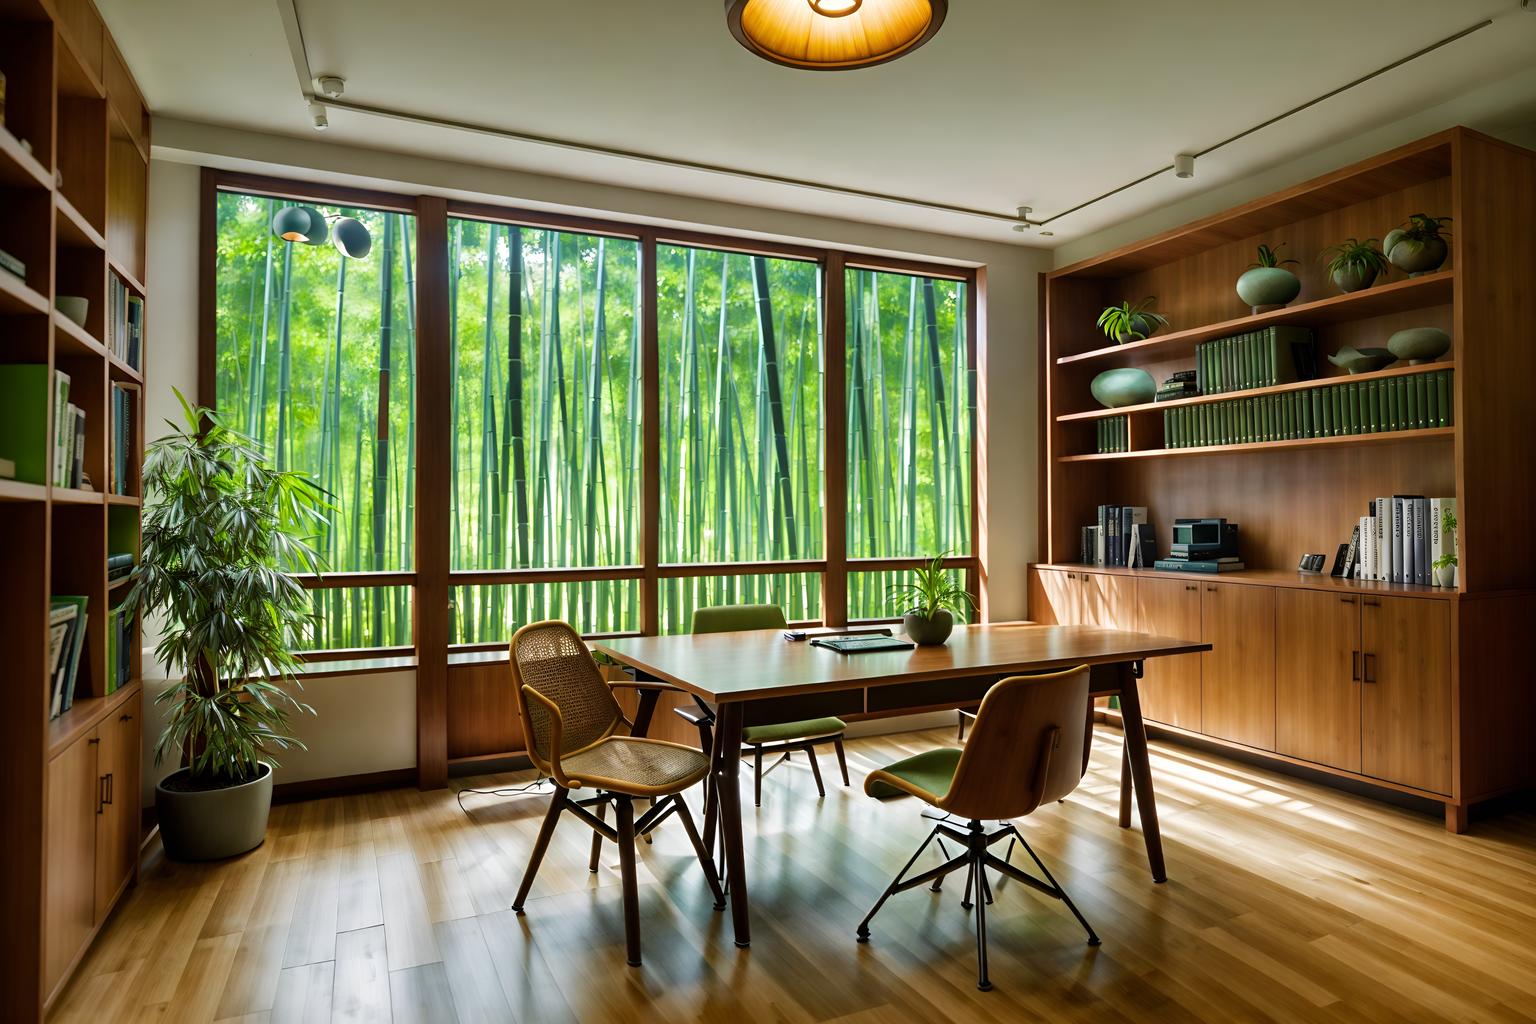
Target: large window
column 616, row 454
column 315, row 359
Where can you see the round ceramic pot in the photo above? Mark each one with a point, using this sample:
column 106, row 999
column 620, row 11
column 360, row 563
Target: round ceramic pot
column 1266, row 288
column 215, row 823
column 1422, row 258
column 1419, row 344
column 929, row 632
column 1124, row 386
column 1141, row 328
column 1363, row 360
column 1354, row 279
column 1445, row 575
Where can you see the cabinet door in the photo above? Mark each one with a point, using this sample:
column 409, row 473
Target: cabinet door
column 1317, row 677
column 117, row 826
column 1406, row 693
column 1107, row 600
column 1170, row 687
column 69, row 856
column 1059, row 597
column 1237, row 675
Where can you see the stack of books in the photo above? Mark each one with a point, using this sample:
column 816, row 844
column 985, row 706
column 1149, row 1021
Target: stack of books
column 12, row 265
column 1184, row 384
column 119, row 565
column 1407, row 402
column 1258, row 359
column 1121, row 537
column 123, row 421
column 119, row 648
column 1114, row 434
column 66, row 639
column 1400, row 539
column 125, row 322
column 68, row 435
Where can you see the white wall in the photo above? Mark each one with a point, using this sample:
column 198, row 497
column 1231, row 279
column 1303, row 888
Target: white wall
column 367, row 723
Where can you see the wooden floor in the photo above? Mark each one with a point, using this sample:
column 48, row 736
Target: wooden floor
column 1286, row 901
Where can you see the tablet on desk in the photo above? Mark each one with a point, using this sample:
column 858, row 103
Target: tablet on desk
column 861, row 644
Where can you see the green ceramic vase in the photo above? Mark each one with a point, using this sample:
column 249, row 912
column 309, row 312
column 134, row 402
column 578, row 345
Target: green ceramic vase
column 1419, row 344
column 1124, row 386
column 1354, row 279
column 1266, row 288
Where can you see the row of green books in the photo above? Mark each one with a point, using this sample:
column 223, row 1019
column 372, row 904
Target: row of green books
column 1410, row 402
column 1258, row 359
column 1114, row 434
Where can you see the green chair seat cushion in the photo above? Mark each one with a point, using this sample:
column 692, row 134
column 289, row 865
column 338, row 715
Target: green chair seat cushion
column 932, row 771
column 809, row 729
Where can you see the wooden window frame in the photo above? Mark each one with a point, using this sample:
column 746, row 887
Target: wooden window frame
column 433, row 579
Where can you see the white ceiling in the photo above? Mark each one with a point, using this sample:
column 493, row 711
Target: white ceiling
column 1015, row 102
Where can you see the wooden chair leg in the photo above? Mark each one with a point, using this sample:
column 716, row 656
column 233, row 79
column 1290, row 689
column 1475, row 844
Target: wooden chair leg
column 597, row 841
column 1125, row 786
column 547, row 829
column 810, row 753
column 842, row 758
column 757, row 776
column 705, row 860
column 624, row 812
column 960, row 735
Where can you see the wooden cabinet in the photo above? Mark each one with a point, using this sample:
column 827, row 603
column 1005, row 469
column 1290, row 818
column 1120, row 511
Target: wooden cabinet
column 117, row 825
column 1317, row 677
column 1405, row 711
column 69, row 855
column 1106, row 600
column 1237, row 675
column 1056, row 601
column 1170, row 687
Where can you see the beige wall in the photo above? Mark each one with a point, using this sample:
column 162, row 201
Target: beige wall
column 367, row 723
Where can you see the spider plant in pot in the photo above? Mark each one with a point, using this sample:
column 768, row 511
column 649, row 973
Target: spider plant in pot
column 1354, row 265
column 1445, row 565
column 221, row 532
column 927, row 603
column 1131, row 322
column 1418, row 246
column 1267, row 285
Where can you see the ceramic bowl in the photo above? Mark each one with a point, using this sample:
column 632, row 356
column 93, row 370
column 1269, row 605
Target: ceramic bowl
column 73, row 306
column 1362, row 360
column 1420, row 344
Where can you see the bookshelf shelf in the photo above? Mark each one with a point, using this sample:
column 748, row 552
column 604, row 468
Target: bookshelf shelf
column 127, row 276
column 122, row 371
column 1273, row 578
column 75, row 496
column 18, row 168
column 17, row 490
column 1301, row 385
column 76, row 340
column 16, row 297
column 1399, row 296
column 123, row 499
column 1381, row 437
column 74, row 229
column 85, row 714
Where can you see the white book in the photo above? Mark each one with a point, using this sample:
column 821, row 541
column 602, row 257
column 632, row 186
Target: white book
column 1138, row 517
column 1383, row 539
column 1367, row 548
column 60, row 402
column 71, row 413
column 1410, row 553
column 1440, row 542
column 1421, row 541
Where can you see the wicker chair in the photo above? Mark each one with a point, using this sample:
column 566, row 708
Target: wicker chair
column 572, row 722
column 782, row 738
column 1029, row 747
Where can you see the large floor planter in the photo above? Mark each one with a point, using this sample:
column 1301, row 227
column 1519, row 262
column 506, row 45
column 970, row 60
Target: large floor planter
column 213, row 824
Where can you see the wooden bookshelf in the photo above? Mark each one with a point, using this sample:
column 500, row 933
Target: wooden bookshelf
column 72, row 206
column 1306, row 494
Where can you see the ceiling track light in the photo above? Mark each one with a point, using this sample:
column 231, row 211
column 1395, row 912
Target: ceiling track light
column 1025, row 224
column 1184, row 165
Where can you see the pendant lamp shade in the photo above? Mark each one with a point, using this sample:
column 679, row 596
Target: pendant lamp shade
column 299, row 224
column 833, row 35
column 352, row 238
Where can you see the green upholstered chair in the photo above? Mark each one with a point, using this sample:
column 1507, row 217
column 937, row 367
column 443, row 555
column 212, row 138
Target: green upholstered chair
column 576, row 735
column 1029, row 747
column 781, row 738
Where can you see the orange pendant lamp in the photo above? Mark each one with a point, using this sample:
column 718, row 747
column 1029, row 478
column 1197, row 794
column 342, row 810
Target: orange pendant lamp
column 833, row 35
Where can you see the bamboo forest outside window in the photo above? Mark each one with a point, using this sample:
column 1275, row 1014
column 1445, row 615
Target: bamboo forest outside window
column 546, row 409
column 741, row 428
column 315, row 359
column 911, row 406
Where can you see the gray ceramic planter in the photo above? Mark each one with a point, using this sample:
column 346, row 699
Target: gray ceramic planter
column 929, row 632
column 1266, row 288
column 1419, row 344
column 1354, row 279
column 216, row 823
column 1422, row 258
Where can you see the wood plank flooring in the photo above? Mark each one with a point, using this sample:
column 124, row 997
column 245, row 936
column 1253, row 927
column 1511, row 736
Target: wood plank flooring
column 1286, row 901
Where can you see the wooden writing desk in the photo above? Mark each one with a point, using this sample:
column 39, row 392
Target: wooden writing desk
column 759, row 677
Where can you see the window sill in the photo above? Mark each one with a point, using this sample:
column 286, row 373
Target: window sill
column 356, row 666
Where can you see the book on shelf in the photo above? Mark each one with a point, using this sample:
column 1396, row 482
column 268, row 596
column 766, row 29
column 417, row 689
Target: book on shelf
column 1400, row 538
column 13, row 265
column 119, row 565
column 125, row 321
column 1143, row 546
column 1441, row 542
column 1205, row 565
column 1273, row 355
column 124, row 424
column 60, row 414
column 1088, row 552
column 66, row 675
column 119, row 666
column 77, row 448
column 24, row 411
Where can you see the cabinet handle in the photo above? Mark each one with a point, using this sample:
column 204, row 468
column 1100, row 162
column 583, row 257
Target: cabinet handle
column 110, row 788
column 1190, row 586
column 1370, row 668
column 1347, row 600
column 1371, row 602
column 1210, row 590
column 125, row 718
column 1354, row 666
column 101, row 793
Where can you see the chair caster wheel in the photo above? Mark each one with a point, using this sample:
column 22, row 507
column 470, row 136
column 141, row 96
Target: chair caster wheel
column 862, row 937
column 984, row 986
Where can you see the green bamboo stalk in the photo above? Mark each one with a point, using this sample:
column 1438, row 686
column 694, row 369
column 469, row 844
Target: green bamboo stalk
column 783, row 482
column 284, row 358
column 381, row 413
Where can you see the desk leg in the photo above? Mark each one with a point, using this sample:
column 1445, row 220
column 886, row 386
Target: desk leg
column 1141, row 771
column 728, row 798
column 644, row 711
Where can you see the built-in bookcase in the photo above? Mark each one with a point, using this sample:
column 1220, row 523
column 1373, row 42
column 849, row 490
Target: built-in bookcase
column 74, row 170
column 1304, row 494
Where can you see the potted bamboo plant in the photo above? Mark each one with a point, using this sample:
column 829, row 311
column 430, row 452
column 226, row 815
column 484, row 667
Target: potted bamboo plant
column 928, row 602
column 221, row 532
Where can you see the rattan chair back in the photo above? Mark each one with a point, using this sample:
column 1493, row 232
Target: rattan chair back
column 549, row 657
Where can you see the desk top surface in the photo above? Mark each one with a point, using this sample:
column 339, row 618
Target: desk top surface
column 754, row 664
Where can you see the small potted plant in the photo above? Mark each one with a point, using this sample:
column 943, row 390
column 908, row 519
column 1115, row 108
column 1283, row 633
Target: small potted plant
column 927, row 603
column 1354, row 265
column 1418, row 246
column 221, row 533
column 1128, row 322
column 1267, row 285
column 1445, row 565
